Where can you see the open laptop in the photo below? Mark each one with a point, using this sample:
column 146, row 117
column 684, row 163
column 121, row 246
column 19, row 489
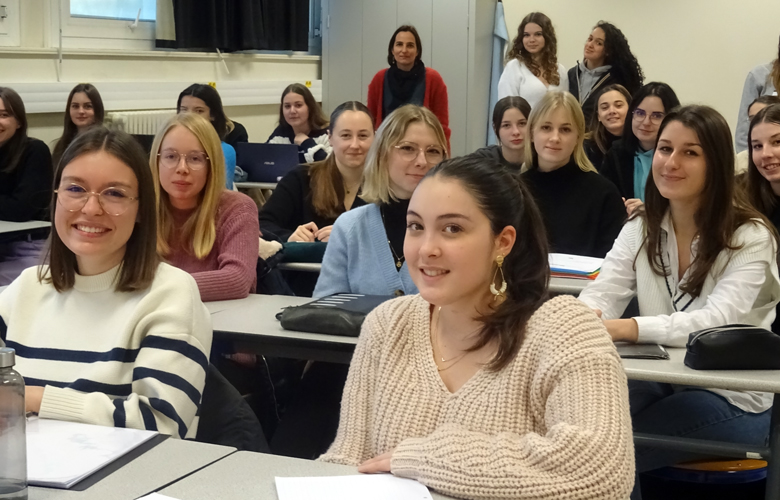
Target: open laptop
column 266, row 162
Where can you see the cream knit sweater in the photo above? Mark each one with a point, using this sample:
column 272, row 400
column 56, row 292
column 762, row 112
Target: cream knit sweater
column 553, row 424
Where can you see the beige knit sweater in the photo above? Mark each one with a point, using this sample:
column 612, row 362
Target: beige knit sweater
column 553, row 424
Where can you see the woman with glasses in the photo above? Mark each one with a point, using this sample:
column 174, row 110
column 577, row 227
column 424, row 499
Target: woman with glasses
column 582, row 211
column 365, row 250
column 203, row 228
column 628, row 161
column 695, row 256
column 107, row 334
column 25, row 187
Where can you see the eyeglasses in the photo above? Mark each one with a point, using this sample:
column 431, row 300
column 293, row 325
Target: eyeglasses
column 655, row 117
column 170, row 158
column 409, row 151
column 113, row 200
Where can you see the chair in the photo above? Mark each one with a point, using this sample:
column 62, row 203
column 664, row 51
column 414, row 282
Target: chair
column 226, row 418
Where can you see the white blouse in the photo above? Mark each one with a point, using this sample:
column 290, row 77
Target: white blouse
column 518, row 80
column 742, row 287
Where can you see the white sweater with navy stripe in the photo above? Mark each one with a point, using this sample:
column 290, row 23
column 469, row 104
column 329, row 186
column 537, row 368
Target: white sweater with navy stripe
column 123, row 359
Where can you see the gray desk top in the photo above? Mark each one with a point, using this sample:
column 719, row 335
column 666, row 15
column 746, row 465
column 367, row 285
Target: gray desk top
column 256, row 185
column 13, row 227
column 674, row 371
column 166, row 462
column 570, row 286
column 311, row 267
column 249, row 476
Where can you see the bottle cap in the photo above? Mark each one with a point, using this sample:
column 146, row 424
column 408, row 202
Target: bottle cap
column 7, row 357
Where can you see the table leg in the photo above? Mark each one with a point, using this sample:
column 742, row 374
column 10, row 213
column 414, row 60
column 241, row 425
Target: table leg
column 773, row 467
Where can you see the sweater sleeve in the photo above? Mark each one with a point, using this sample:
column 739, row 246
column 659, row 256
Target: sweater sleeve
column 375, row 97
column 583, row 402
column 439, row 103
column 32, row 193
column 169, row 371
column 753, row 88
column 509, row 83
column 334, row 276
column 610, row 221
column 238, row 237
column 281, row 214
column 564, row 76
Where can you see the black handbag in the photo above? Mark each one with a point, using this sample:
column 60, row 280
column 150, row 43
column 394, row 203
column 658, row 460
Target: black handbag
column 733, row 347
column 339, row 314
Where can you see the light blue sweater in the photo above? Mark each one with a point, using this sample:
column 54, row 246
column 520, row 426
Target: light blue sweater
column 358, row 258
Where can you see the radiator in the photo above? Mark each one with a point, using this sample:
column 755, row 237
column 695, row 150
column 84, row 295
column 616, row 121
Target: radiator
column 145, row 122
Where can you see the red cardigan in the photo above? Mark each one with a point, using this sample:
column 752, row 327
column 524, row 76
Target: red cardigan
column 435, row 97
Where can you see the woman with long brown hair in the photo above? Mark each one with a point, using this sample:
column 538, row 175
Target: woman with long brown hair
column 696, row 257
column 532, row 66
column 302, row 122
column 84, row 109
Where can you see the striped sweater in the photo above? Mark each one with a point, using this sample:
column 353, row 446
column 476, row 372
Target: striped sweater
column 123, row 359
column 552, row 424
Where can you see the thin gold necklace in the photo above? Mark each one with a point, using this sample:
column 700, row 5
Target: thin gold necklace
column 399, row 261
column 453, row 361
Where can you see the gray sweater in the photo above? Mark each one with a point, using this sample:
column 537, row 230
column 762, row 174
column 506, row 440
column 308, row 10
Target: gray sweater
column 757, row 84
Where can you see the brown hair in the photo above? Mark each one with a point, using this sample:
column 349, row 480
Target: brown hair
column 70, row 130
column 759, row 191
column 505, row 200
column 317, row 120
column 409, row 29
column 597, row 131
column 15, row 146
column 327, row 186
column 140, row 261
column 548, row 69
column 722, row 210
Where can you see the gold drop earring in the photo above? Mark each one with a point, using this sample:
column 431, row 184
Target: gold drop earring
column 500, row 292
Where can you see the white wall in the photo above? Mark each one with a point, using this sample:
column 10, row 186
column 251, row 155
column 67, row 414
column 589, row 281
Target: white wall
column 702, row 48
column 35, row 62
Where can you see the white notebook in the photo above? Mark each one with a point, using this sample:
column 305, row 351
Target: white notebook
column 60, row 454
column 356, row 487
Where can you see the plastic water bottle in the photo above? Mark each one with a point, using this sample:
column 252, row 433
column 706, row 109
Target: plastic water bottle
column 13, row 422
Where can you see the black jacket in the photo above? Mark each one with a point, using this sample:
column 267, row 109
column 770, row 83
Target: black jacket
column 25, row 193
column 589, row 106
column 618, row 167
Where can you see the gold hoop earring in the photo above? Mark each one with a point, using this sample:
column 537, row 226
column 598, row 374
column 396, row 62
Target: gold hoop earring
column 498, row 292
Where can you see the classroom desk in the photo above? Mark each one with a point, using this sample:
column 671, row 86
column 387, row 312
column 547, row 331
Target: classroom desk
column 255, row 185
column 674, row 371
column 309, row 267
column 15, row 227
column 249, row 476
column 168, row 461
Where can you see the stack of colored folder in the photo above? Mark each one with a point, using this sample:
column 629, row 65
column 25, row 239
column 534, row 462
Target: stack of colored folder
column 563, row 265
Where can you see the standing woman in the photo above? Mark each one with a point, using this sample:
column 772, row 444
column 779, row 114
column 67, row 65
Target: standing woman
column 607, row 60
column 479, row 387
column 84, row 109
column 582, row 211
column 203, row 228
column 365, row 249
column 408, row 81
column 606, row 125
column 628, row 161
column 762, row 80
column 532, row 68
column 302, row 122
column 309, row 199
column 204, row 100
column 25, row 187
column 695, row 257
column 510, row 123
column 105, row 334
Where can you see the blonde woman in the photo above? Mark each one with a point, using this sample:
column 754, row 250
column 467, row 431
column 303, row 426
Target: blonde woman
column 202, row 228
column 583, row 212
column 365, row 250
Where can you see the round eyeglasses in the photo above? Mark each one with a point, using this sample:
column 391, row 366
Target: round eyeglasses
column 656, row 117
column 409, row 151
column 195, row 160
column 113, row 200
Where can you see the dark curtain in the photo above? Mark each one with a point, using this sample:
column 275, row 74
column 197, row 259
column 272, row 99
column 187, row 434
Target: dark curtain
column 231, row 25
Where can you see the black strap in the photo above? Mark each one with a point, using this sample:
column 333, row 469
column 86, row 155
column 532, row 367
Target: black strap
column 669, row 288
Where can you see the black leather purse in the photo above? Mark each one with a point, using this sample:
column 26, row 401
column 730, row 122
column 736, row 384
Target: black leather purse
column 733, row 347
column 339, row 314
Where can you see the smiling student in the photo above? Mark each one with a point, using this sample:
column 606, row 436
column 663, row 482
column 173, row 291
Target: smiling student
column 83, row 110
column 760, row 103
column 365, row 249
column 627, row 163
column 301, row 122
column 408, row 81
column 582, row 211
column 106, row 334
column 479, row 376
column 606, row 125
column 532, row 66
column 510, row 123
column 696, row 256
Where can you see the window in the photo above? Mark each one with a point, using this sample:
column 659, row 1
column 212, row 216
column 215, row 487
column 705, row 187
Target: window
column 126, row 10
